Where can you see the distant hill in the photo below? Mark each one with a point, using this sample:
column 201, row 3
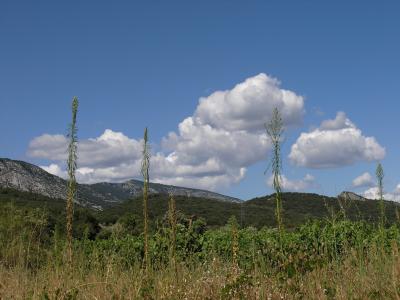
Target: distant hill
column 28, row 185
column 298, row 209
column 258, row 212
column 27, row 177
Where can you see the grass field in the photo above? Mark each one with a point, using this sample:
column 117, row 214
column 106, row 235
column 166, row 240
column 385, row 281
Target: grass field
column 330, row 258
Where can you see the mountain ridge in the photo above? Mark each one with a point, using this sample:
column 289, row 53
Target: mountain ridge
column 24, row 176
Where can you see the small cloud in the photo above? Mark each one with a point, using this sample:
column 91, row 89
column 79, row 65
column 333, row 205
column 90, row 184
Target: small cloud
column 364, row 180
column 319, row 112
column 55, row 170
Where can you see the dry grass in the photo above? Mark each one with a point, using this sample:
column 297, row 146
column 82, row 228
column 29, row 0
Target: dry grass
column 376, row 278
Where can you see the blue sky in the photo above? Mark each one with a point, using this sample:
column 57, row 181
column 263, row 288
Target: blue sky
column 147, row 64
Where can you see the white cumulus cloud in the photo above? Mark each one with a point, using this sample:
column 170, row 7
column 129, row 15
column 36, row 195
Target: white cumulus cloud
column 335, row 143
column 211, row 149
column 109, row 149
column 110, row 157
column 249, row 104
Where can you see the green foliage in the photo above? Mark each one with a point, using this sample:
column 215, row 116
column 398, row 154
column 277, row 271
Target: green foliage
column 129, row 223
column 53, row 211
column 27, row 241
column 23, row 233
column 39, row 221
column 258, row 212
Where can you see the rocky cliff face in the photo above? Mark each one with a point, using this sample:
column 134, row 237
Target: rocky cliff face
column 351, row 196
column 27, row 177
column 30, row 178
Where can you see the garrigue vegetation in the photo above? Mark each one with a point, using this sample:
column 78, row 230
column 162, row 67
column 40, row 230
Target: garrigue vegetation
column 188, row 248
column 321, row 259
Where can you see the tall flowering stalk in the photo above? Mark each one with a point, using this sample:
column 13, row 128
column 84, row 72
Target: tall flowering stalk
column 235, row 246
column 172, row 218
column 379, row 176
column 275, row 131
column 71, row 166
column 145, row 174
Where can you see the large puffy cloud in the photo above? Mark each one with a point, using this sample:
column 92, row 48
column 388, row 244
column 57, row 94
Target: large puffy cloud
column 211, row 149
column 364, row 180
column 109, row 163
column 196, row 143
column 226, row 132
column 335, row 143
column 294, row 185
column 249, row 104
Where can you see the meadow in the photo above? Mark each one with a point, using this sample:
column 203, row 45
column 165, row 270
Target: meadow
column 330, row 258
